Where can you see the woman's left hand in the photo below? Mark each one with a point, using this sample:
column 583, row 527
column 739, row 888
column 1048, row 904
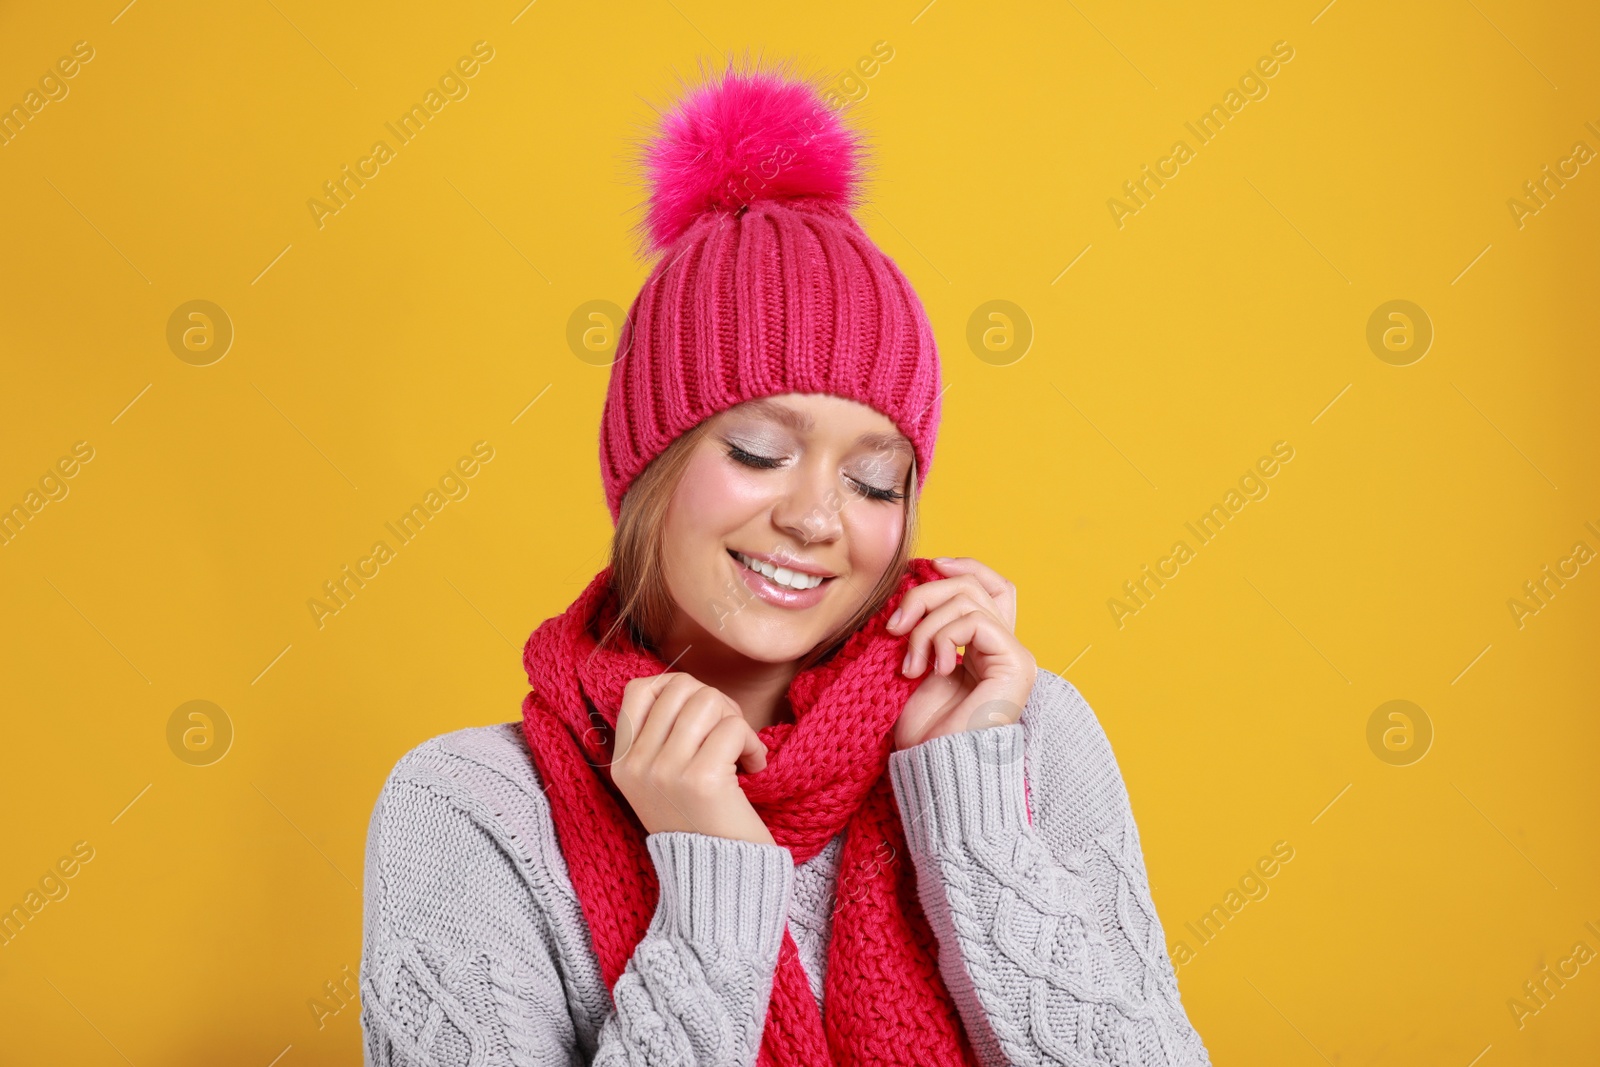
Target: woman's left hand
column 972, row 607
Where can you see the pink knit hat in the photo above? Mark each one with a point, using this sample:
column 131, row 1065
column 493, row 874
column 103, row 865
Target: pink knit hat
column 765, row 284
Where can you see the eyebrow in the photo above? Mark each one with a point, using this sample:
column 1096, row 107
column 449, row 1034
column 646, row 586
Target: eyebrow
column 799, row 420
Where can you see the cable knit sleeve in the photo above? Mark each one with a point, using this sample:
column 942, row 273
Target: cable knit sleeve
column 697, row 987
column 1049, row 942
column 464, row 962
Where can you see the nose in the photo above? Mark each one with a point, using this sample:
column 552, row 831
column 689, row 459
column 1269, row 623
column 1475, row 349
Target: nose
column 810, row 508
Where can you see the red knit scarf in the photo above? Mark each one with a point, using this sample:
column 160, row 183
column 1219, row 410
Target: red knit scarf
column 884, row 1001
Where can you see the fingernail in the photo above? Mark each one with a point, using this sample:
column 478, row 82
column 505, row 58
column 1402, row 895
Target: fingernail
column 894, row 619
column 905, row 664
column 941, row 559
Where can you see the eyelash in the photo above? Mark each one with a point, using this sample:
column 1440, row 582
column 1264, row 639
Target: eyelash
column 750, row 459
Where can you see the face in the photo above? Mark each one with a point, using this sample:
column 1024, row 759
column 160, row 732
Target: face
column 811, row 483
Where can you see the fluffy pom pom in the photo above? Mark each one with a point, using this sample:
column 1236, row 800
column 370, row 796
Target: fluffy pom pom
column 744, row 137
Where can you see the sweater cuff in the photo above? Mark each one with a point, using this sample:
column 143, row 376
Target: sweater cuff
column 721, row 891
column 961, row 788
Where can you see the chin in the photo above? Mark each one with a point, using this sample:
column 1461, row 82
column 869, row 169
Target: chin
column 778, row 643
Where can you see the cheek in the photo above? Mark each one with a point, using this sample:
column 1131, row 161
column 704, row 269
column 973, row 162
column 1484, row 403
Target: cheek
column 874, row 532
column 712, row 500
column 710, row 504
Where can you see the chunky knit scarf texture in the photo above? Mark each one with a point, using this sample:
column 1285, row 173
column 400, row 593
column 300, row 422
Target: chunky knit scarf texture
column 884, row 1001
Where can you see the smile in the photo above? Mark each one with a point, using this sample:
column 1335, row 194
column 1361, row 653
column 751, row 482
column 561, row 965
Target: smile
column 781, row 586
column 789, row 579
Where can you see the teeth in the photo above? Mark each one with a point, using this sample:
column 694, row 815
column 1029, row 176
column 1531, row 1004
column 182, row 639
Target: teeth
column 781, row 575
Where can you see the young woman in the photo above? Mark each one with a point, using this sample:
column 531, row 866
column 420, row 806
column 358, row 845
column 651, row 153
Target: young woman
column 781, row 792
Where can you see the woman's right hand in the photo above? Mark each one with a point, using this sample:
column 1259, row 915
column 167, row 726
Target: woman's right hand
column 679, row 743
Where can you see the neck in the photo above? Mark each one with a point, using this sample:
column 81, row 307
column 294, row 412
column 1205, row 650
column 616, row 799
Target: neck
column 760, row 689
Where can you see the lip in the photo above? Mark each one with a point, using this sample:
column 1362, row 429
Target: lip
column 774, row 594
column 791, row 564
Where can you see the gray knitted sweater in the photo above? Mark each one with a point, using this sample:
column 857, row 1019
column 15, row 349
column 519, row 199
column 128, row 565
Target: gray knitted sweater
column 475, row 950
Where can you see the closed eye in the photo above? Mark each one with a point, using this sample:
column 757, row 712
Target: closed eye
column 872, row 492
column 750, row 459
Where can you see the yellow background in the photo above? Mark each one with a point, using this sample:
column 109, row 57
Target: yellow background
column 1228, row 314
